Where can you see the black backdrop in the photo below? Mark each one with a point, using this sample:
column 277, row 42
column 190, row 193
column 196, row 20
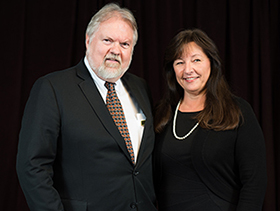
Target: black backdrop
column 38, row 37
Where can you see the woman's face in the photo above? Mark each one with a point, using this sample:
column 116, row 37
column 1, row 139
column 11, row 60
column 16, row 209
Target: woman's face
column 192, row 69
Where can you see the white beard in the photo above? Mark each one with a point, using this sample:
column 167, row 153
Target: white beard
column 105, row 71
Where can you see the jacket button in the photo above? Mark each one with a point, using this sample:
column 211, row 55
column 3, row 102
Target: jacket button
column 136, row 173
column 133, row 205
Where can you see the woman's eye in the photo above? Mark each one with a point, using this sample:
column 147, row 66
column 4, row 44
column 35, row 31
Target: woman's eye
column 196, row 60
column 178, row 63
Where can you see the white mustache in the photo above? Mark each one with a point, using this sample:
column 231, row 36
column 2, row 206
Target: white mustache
column 113, row 57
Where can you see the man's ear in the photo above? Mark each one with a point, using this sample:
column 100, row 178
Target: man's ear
column 87, row 41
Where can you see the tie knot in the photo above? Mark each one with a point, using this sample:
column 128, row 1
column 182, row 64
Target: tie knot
column 110, row 86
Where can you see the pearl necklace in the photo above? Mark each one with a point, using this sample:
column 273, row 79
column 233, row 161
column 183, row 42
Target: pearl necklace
column 174, row 125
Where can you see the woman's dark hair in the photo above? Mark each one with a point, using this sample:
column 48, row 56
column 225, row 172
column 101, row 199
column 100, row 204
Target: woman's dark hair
column 221, row 111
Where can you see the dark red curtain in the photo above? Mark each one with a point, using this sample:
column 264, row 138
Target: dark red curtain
column 38, row 37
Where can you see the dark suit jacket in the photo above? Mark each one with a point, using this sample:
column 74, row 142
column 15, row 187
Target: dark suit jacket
column 71, row 155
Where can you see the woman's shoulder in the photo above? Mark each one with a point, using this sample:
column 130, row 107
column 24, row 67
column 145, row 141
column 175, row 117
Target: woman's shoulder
column 243, row 104
column 248, row 113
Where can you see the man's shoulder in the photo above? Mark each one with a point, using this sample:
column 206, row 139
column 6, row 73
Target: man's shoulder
column 130, row 77
column 66, row 74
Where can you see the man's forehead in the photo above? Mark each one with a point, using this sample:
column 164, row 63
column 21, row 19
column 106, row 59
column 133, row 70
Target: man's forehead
column 115, row 28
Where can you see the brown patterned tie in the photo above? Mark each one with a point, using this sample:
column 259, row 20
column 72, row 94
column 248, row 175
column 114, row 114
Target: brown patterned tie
column 115, row 108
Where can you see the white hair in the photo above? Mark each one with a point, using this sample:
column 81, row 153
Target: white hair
column 107, row 12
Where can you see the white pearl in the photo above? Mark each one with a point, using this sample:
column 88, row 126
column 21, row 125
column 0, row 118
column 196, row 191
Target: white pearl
column 174, row 125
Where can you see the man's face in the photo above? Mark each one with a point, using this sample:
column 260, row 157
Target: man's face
column 109, row 51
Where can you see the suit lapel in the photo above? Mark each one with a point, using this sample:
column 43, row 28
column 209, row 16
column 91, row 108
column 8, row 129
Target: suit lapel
column 136, row 92
column 94, row 98
column 141, row 98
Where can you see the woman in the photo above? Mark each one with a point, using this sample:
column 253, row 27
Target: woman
column 210, row 151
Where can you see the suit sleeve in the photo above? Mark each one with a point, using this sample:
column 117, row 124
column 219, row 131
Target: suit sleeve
column 250, row 156
column 38, row 147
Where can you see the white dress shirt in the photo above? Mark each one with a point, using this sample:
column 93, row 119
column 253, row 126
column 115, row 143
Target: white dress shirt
column 133, row 114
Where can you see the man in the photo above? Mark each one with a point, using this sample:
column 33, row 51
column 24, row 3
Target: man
column 71, row 154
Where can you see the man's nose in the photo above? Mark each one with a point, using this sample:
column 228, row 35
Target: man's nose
column 115, row 48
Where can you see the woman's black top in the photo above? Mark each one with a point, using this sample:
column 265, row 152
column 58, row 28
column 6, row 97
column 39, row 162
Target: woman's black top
column 182, row 185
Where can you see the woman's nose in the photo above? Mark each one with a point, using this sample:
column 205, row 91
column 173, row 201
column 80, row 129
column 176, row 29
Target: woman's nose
column 188, row 68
